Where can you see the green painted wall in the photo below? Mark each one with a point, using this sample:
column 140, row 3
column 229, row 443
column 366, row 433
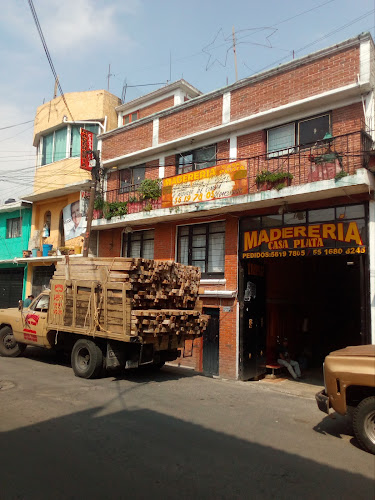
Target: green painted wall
column 12, row 247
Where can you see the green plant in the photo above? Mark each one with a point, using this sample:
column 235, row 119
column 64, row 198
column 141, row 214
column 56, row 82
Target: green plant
column 115, row 209
column 99, row 203
column 150, row 189
column 147, row 207
column 273, row 177
column 133, row 199
column 340, row 175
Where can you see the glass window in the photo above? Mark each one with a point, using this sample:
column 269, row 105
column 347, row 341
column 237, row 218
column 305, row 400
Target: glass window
column 75, row 138
column 47, row 151
column 281, row 139
column 313, row 129
column 197, row 159
column 139, row 244
column 130, row 118
column 272, row 220
column 41, row 304
column 321, row 215
column 295, row 218
column 350, row 212
column 203, row 245
column 14, row 227
column 131, row 178
column 59, row 151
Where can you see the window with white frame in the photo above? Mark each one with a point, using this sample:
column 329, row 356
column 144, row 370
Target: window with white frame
column 131, row 178
column 14, row 227
column 139, row 244
column 203, row 245
column 55, row 144
column 196, row 159
column 284, row 139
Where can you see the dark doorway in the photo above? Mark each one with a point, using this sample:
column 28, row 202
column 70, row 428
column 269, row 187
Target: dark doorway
column 11, row 286
column 253, row 320
column 41, row 278
column 211, row 342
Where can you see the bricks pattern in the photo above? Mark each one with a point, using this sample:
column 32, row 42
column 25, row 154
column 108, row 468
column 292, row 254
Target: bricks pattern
column 128, row 141
column 156, row 107
column 307, row 80
column 187, row 121
column 222, row 152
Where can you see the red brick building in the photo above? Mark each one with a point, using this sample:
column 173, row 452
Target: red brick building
column 267, row 186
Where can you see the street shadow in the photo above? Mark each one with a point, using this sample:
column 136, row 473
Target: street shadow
column 140, row 375
column 338, row 426
column 144, row 454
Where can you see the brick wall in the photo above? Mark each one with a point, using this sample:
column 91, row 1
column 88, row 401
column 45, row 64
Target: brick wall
column 187, row 121
column 307, row 80
column 130, row 140
column 152, row 169
column 157, row 106
column 222, row 151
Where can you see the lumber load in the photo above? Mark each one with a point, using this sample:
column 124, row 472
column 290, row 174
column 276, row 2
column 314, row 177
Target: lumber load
column 151, row 284
column 121, row 298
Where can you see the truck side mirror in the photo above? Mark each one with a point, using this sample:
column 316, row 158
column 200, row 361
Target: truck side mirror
column 20, row 305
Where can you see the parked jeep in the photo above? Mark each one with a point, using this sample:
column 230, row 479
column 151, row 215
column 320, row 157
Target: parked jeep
column 349, row 379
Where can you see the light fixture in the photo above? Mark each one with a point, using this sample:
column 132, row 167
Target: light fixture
column 128, row 229
column 283, row 209
column 328, row 137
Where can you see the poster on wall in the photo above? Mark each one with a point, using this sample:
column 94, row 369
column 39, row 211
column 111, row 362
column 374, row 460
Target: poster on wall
column 74, row 216
column 220, row 181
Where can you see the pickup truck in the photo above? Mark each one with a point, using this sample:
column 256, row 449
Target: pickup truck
column 349, row 379
column 110, row 313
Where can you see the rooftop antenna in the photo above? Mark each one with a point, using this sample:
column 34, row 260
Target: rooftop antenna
column 109, row 75
column 170, row 65
column 124, row 88
column 56, row 85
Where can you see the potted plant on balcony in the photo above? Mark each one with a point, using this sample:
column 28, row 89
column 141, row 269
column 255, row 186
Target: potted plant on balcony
column 115, row 209
column 273, row 180
column 150, row 193
column 98, row 207
column 325, row 166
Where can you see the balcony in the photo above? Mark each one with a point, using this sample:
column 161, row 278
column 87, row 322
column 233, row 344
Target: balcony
column 331, row 159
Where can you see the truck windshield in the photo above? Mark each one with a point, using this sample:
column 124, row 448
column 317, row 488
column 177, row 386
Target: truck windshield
column 41, row 304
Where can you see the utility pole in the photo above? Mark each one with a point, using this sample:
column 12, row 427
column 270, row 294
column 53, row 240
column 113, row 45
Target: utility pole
column 90, row 211
column 234, row 52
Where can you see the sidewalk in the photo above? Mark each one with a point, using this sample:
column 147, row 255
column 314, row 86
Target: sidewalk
column 305, row 388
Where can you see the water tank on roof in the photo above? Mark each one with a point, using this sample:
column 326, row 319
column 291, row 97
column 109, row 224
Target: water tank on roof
column 9, row 200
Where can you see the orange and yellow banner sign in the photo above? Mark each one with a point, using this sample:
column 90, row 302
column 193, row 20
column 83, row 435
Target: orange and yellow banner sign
column 220, row 181
column 294, row 241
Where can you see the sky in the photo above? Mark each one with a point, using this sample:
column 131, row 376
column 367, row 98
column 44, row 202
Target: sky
column 147, row 43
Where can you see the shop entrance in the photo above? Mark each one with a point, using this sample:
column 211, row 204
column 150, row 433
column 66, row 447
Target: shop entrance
column 318, row 303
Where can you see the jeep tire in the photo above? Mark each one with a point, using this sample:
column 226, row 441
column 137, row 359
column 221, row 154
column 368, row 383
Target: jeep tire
column 364, row 424
column 87, row 359
column 8, row 346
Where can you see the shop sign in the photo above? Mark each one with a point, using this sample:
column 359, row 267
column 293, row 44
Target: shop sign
column 334, row 238
column 87, row 144
column 220, row 181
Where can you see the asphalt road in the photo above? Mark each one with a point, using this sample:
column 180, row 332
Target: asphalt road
column 170, row 435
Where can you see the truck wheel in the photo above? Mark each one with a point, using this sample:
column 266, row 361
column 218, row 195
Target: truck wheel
column 87, row 359
column 364, row 424
column 8, row 346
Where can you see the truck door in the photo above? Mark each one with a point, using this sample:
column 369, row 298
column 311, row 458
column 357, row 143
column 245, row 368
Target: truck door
column 35, row 318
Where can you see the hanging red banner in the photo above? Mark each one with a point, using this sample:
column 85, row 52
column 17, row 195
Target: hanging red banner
column 87, row 144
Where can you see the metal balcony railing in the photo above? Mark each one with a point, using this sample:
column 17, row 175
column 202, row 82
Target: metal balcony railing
column 327, row 159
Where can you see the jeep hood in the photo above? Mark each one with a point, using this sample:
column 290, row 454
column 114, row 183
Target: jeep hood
column 356, row 350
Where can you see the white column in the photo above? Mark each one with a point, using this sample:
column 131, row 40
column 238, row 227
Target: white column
column 226, row 107
column 233, row 146
column 161, row 167
column 371, row 246
column 155, row 132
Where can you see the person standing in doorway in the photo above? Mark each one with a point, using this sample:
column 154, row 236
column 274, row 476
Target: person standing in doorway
column 284, row 360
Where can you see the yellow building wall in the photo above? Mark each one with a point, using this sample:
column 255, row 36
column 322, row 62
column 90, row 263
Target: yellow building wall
column 59, row 174
column 90, row 105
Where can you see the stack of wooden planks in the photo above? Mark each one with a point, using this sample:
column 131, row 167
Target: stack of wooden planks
column 152, row 284
column 130, row 296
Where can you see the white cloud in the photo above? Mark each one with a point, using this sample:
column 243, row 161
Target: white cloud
column 81, row 25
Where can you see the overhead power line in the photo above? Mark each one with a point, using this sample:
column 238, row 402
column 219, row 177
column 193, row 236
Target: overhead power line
column 36, row 20
column 16, row 125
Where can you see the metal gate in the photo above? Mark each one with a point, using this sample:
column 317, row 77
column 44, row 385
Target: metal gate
column 11, row 285
column 211, row 342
